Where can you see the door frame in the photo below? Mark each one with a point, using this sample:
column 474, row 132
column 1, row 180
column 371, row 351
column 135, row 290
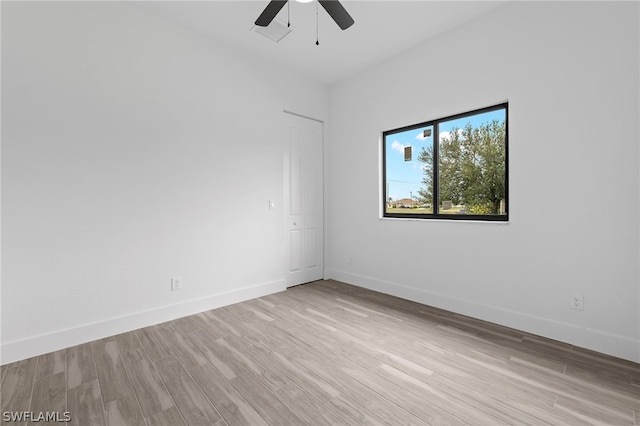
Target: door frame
column 285, row 215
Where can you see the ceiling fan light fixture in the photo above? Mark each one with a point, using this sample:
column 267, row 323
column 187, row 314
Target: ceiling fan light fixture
column 333, row 8
column 304, row 1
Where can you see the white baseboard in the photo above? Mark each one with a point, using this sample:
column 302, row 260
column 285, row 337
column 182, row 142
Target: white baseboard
column 37, row 345
column 596, row 340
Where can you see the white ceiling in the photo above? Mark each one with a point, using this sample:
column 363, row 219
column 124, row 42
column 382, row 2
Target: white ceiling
column 382, row 29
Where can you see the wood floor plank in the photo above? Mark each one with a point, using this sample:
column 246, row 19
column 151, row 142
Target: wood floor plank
column 217, row 327
column 187, row 325
column 81, row 367
column 562, row 387
column 285, row 341
column 223, row 323
column 182, row 347
column 354, row 413
column 503, row 411
column 281, row 317
column 335, row 345
column 127, row 341
column 153, row 343
column 534, row 407
column 258, row 313
column 272, row 376
column 372, row 310
column 228, row 401
column 308, row 408
column 384, row 354
column 416, row 406
column 112, row 375
column 237, row 348
column 123, row 412
column 84, row 403
column 602, row 361
column 264, row 402
column 49, row 395
column 168, row 417
column 437, row 407
column 17, row 386
column 147, row 384
column 599, row 392
column 51, row 364
column 192, row 403
column 538, row 355
column 516, row 390
column 376, row 404
column 311, row 380
column 254, row 332
column 594, row 414
column 329, row 382
column 613, row 379
column 217, row 354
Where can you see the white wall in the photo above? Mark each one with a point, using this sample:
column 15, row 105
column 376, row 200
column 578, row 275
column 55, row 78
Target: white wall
column 131, row 148
column 570, row 74
column 133, row 151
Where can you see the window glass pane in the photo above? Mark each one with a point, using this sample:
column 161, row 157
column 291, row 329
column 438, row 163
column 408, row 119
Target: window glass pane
column 409, row 171
column 472, row 164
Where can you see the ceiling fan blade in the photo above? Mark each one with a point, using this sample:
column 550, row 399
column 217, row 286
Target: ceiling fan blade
column 338, row 13
column 270, row 12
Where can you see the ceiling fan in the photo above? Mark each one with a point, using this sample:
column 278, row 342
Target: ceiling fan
column 333, row 8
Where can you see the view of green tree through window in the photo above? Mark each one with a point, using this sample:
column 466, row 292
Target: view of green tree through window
column 451, row 168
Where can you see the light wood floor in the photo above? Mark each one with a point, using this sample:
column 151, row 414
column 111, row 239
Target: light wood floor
column 326, row 353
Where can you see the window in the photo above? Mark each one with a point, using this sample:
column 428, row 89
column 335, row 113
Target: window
column 450, row 168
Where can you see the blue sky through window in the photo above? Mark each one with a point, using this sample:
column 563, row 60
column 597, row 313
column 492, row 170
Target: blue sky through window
column 404, row 178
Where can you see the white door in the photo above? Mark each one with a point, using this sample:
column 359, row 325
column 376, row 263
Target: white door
column 303, row 200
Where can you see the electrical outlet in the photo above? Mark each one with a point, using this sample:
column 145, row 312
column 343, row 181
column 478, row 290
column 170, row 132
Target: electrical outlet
column 350, row 261
column 577, row 301
column 176, row 283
